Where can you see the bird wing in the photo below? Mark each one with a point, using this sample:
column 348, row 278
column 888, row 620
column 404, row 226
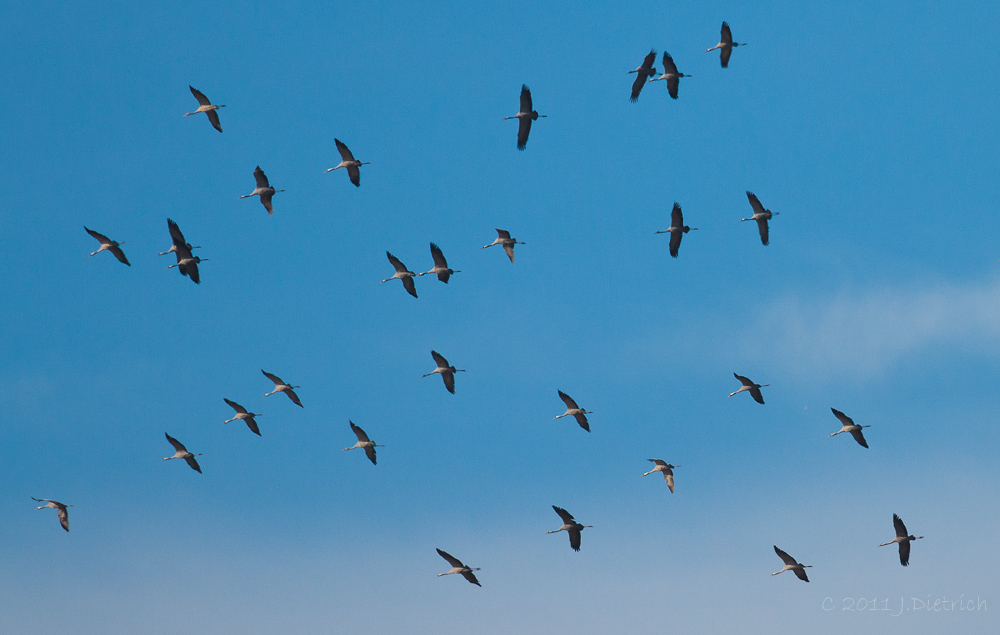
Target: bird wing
column 409, row 286
column 669, row 478
column 675, row 243
column 787, row 559
column 568, row 400
column 452, row 560
column 235, row 406
column 358, row 432
column 727, row 35
column 904, row 553
column 438, row 257
column 191, row 268
column 471, row 577
column 525, row 99
column 503, row 234
column 676, row 216
column 449, row 381
column 755, row 393
column 99, row 236
column 800, row 573
column 295, row 398
column 213, row 116
column 844, row 419
column 175, row 233
column 396, row 263
column 277, row 380
column 755, row 203
column 439, row 359
column 762, row 228
column 345, row 154
column 370, row 451
column 265, row 200
column 649, row 60
column 724, row 54
column 44, row 500
column 120, row 255
column 509, row 248
column 897, row 524
column 178, row 446
column 193, row 462
column 574, row 538
column 743, row 380
column 658, row 462
column 673, row 83
column 565, row 515
column 523, row 129
column 63, row 516
column 261, row 178
column 669, row 68
column 200, row 96
column 252, row 424
column 355, row 175
column 860, row 438
column 640, row 81
column 582, row 420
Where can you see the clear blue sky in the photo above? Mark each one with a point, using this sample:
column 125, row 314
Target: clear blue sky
column 870, row 127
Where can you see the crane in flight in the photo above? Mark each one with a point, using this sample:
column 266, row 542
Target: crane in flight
column 246, row 416
column 576, row 411
column 903, row 538
column 677, row 229
column 446, row 370
column 206, row 107
column 667, row 469
column 59, row 507
column 791, row 565
column 348, row 161
column 109, row 245
column 363, row 442
column 176, row 238
column 187, row 263
column 570, row 525
column 280, row 386
column 263, row 190
column 643, row 72
column 458, row 567
column 503, row 238
column 524, row 116
column 671, row 74
column 402, row 273
column 725, row 45
column 750, row 386
column 760, row 215
column 440, row 265
column 182, row 453
column 849, row 426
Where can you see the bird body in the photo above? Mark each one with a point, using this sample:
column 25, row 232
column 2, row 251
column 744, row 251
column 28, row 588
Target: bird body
column 363, row 442
column 725, row 45
column 281, row 386
column 667, row 469
column 402, row 273
column 753, row 388
column 760, row 215
column 263, row 190
column 671, row 75
column 503, row 238
column 570, row 525
column 643, row 73
column 903, row 538
column 59, row 507
column 246, row 416
column 676, row 230
column 458, row 567
column 576, row 411
column 791, row 565
column 182, row 453
column 440, row 265
column 849, row 426
column 524, row 116
column 206, row 107
column 348, row 161
column 446, row 370
column 109, row 245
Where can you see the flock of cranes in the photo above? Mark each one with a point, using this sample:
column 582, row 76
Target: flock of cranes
column 187, row 264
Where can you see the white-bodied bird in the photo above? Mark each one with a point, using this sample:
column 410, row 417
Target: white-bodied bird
column 458, row 567
column 667, row 469
column 503, row 238
column 364, row 442
column 263, row 190
column 281, row 386
column 524, row 116
column 109, row 245
column 791, row 565
column 59, row 507
column 206, row 107
column 245, row 415
column 348, row 161
column 903, row 538
column 182, row 453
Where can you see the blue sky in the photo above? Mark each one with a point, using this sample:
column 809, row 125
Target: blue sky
column 869, row 127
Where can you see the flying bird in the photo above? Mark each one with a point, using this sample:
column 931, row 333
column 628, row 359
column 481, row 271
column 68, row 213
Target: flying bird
column 348, row 161
column 187, row 263
column 447, row 371
column 676, row 230
column 59, row 507
column 576, row 411
column 364, row 442
column 280, row 386
column 182, row 453
column 176, row 238
column 752, row 387
column 524, row 116
column 850, row 426
column 643, row 73
column 440, row 265
column 904, row 539
column 667, row 469
column 402, row 273
column 109, row 245
column 503, row 238
column 571, row 526
column 263, row 190
column 458, row 567
column 726, row 45
column 791, row 565
column 206, row 107
column 760, row 215
column 242, row 413
column 670, row 74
